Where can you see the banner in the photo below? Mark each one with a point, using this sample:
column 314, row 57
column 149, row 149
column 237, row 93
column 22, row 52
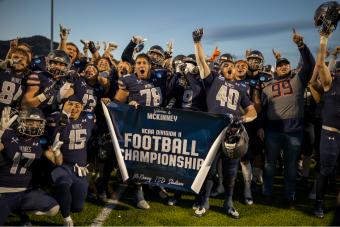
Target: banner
column 166, row 147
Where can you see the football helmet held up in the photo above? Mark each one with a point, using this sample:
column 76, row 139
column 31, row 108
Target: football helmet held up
column 326, row 17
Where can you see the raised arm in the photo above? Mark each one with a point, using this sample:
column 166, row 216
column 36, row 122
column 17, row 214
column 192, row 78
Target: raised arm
column 322, row 69
column 199, row 54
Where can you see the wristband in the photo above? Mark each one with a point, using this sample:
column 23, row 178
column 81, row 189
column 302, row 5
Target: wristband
column 300, row 44
column 323, row 40
column 41, row 97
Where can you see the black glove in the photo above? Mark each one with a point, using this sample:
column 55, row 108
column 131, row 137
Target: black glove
column 168, row 55
column 49, row 91
column 139, row 47
column 92, row 47
column 197, row 35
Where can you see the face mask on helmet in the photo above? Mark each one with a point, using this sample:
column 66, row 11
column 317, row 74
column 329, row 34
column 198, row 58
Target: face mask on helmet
column 326, row 17
column 235, row 142
column 156, row 55
column 178, row 60
column 31, row 122
column 57, row 63
column 255, row 60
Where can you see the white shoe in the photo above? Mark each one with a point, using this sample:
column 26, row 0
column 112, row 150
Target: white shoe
column 200, row 212
column 143, row 205
column 233, row 213
column 68, row 223
column 249, row 201
column 172, row 201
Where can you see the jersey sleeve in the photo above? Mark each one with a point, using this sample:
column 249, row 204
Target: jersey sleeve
column 10, row 142
column 245, row 101
column 209, row 79
column 124, row 82
column 33, row 79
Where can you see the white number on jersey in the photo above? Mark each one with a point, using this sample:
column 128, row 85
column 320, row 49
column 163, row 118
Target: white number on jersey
column 77, row 139
column 187, row 98
column 152, row 94
column 7, row 92
column 89, row 101
column 228, row 96
column 18, row 156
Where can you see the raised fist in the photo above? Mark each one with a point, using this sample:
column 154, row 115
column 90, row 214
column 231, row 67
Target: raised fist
column 92, row 47
column 197, row 35
column 138, row 39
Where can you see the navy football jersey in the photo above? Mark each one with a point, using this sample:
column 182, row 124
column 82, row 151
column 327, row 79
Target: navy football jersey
column 331, row 107
column 150, row 92
column 188, row 92
column 258, row 82
column 75, row 135
column 90, row 94
column 44, row 80
column 11, row 89
column 16, row 158
column 225, row 97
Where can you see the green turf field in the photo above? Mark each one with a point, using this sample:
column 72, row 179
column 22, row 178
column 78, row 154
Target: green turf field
column 126, row 214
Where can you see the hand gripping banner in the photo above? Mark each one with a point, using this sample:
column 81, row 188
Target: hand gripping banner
column 166, row 147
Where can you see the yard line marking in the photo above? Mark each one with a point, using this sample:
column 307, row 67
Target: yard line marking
column 104, row 214
column 106, row 211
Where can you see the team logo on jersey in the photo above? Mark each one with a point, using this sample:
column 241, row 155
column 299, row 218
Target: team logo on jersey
column 35, row 144
column 43, row 141
column 50, row 80
column 90, row 116
column 83, row 120
column 83, row 84
column 158, row 75
column 15, row 140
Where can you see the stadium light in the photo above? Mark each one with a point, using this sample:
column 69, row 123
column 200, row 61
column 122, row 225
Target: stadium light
column 52, row 3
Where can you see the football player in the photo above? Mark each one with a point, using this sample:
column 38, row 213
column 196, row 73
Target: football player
column 142, row 87
column 255, row 79
column 20, row 148
column 186, row 87
column 223, row 97
column 47, row 88
column 241, row 75
column 329, row 141
column 12, row 77
column 73, row 127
